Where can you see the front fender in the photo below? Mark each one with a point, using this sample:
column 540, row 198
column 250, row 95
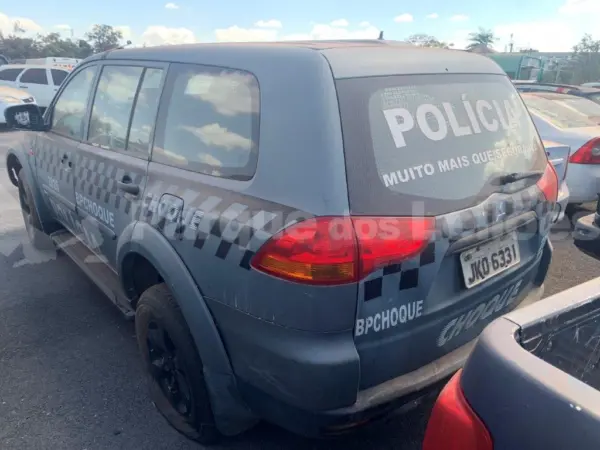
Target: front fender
column 22, row 154
column 231, row 414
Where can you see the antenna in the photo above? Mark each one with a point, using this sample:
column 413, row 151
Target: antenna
column 380, row 38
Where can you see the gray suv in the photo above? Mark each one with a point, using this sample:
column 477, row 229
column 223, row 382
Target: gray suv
column 311, row 233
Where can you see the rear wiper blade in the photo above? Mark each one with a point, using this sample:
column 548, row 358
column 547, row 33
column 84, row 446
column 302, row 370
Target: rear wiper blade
column 514, row 177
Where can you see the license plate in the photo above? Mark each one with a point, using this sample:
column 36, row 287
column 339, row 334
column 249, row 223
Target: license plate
column 488, row 260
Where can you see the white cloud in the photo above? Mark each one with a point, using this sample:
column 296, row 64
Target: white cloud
column 218, row 136
column 403, row 18
column 171, row 6
column 238, row 34
column 340, row 23
column 63, row 27
column 459, row 18
column 268, row 24
column 556, row 36
column 160, row 35
column 364, row 24
column 433, row 16
column 325, row 32
column 125, row 31
column 580, row 7
column 7, row 24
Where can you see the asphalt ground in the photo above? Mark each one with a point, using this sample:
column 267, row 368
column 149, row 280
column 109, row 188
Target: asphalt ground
column 70, row 374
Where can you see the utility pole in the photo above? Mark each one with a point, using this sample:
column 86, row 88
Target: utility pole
column 511, row 45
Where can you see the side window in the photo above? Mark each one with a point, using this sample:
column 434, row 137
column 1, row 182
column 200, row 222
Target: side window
column 58, row 76
column 112, row 106
column 69, row 111
column 34, row 76
column 144, row 113
column 210, row 122
column 9, row 74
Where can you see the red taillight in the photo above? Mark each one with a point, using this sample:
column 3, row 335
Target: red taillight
column 453, row 425
column 548, row 183
column 339, row 250
column 589, row 153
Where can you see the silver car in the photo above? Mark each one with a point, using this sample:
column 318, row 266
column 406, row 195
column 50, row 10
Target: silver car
column 573, row 121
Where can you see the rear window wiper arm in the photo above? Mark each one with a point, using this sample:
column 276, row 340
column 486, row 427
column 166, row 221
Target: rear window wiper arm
column 514, row 177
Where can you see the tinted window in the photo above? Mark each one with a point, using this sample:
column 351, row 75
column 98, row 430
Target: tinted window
column 112, row 106
column 58, row 76
column 434, row 141
column 34, row 76
column 10, row 74
column 68, row 115
column 144, row 113
column 210, row 123
column 564, row 111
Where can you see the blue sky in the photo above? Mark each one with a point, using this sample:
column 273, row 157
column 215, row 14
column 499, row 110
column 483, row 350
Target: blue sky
column 544, row 24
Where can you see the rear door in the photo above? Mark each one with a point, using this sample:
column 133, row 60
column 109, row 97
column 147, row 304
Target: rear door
column 440, row 147
column 112, row 161
column 37, row 82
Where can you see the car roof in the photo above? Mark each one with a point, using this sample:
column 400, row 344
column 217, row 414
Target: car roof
column 549, row 86
column 347, row 58
column 549, row 95
column 29, row 66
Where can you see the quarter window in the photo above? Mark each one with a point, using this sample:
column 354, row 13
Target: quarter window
column 210, row 122
column 112, row 106
column 68, row 115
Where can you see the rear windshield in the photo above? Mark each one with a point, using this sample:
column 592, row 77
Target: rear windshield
column 433, row 142
column 564, row 111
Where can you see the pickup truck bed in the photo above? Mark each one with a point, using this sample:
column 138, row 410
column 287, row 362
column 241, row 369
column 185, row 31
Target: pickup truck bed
column 531, row 382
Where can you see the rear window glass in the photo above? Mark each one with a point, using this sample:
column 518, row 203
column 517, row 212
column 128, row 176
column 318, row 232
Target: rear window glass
column 564, row 112
column 433, row 142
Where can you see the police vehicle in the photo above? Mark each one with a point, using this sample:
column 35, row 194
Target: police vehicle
column 311, row 233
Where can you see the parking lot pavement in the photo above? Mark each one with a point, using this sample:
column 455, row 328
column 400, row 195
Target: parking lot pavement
column 71, row 377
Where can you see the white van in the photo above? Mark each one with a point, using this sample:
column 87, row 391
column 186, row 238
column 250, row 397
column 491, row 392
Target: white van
column 41, row 81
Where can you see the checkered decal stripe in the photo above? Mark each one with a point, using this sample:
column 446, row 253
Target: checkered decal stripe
column 98, row 181
column 230, row 231
column 48, row 160
column 415, row 277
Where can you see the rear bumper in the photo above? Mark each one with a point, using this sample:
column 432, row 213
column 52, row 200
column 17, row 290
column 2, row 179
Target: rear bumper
column 584, row 182
column 309, row 382
column 393, row 396
column 564, row 196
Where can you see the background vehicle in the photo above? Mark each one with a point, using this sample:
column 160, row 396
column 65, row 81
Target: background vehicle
column 245, row 234
column 531, row 382
column 594, row 84
column 41, row 82
column 558, row 155
column 573, row 121
column 10, row 97
column 590, row 92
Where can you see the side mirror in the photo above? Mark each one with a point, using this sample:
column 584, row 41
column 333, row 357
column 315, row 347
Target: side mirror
column 25, row 117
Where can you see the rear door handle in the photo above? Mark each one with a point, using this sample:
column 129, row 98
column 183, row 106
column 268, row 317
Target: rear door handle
column 23, row 87
column 126, row 185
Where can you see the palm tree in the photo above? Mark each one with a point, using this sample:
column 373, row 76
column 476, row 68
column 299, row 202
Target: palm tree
column 482, row 37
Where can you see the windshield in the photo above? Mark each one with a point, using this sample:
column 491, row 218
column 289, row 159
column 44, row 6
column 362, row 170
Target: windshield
column 564, row 111
column 434, row 139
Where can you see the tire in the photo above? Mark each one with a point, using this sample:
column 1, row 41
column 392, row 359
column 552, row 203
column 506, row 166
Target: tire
column 39, row 239
column 175, row 371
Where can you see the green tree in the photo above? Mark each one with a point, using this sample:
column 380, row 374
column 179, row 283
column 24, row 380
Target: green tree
column 425, row 40
column 587, row 60
column 16, row 47
column 481, row 37
column 103, row 37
